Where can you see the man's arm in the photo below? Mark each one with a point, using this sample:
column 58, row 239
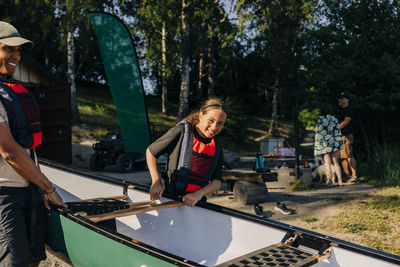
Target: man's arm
column 345, row 122
column 17, row 157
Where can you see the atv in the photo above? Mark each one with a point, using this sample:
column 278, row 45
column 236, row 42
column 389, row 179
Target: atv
column 111, row 152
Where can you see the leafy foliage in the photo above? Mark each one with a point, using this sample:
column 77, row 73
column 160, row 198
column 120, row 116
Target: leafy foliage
column 352, row 48
column 383, row 168
column 319, row 49
column 308, row 118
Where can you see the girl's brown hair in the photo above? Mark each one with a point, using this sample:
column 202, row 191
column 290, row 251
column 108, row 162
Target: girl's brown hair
column 208, row 105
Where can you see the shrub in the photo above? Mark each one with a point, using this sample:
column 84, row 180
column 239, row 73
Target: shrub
column 299, row 185
column 308, row 219
column 383, row 168
column 308, row 118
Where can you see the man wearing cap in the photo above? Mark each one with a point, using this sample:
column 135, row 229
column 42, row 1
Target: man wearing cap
column 22, row 184
column 346, row 120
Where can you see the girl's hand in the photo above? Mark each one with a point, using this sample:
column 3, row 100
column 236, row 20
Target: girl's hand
column 157, row 189
column 192, row 198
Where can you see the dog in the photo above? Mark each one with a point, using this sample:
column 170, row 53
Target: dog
column 320, row 173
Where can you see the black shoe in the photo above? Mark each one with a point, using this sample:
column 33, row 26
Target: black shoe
column 281, row 207
column 258, row 210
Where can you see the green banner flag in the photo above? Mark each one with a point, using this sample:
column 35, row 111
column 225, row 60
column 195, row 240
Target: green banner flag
column 124, row 79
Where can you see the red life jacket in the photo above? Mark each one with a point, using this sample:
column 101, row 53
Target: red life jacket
column 202, row 158
column 197, row 161
column 23, row 114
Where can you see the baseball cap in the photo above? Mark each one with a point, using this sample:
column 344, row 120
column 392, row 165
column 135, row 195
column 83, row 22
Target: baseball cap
column 10, row 36
column 344, row 95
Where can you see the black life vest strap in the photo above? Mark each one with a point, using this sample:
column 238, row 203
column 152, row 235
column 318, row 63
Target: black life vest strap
column 34, row 190
column 19, row 132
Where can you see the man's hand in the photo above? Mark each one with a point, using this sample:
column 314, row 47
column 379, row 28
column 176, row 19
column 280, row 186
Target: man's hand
column 157, row 189
column 192, row 198
column 54, row 198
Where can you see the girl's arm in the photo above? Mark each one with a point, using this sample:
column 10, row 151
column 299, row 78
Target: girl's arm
column 157, row 184
column 192, row 198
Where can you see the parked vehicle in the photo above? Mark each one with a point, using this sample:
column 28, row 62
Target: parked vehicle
column 111, row 152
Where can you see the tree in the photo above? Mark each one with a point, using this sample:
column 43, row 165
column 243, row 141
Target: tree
column 185, row 79
column 35, row 20
column 155, row 24
column 355, row 49
column 277, row 26
column 75, row 15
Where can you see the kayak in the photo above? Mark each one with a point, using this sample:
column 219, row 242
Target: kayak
column 110, row 222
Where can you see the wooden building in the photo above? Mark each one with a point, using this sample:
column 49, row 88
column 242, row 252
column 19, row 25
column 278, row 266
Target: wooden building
column 53, row 96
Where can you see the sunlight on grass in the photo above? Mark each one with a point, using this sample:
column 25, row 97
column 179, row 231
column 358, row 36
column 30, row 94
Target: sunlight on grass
column 308, row 219
column 374, row 218
column 299, row 185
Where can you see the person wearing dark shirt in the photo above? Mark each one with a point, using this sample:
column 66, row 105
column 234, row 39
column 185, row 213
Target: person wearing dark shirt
column 346, row 120
column 194, row 155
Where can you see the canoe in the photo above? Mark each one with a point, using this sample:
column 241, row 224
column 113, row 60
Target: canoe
column 124, row 228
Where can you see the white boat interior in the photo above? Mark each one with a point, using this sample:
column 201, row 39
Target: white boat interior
column 201, row 235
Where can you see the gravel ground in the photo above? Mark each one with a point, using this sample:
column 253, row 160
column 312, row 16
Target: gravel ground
column 54, row 260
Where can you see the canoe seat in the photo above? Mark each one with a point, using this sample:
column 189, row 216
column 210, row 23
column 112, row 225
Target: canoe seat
column 97, row 206
column 274, row 255
column 106, row 208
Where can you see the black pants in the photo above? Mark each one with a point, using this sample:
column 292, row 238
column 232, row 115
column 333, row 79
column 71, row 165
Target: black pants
column 16, row 248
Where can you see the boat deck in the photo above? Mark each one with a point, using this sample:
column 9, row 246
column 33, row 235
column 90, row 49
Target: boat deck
column 274, row 255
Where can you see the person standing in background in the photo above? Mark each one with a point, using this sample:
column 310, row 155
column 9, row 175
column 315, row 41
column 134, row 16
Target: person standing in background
column 328, row 141
column 22, row 184
column 346, row 120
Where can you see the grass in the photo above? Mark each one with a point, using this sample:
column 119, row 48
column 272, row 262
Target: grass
column 372, row 220
column 97, row 110
column 308, row 219
column 299, row 185
column 383, row 167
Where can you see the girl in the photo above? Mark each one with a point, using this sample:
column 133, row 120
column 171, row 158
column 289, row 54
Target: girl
column 194, row 155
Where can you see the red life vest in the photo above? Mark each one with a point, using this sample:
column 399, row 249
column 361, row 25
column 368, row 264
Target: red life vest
column 197, row 161
column 23, row 114
column 202, row 158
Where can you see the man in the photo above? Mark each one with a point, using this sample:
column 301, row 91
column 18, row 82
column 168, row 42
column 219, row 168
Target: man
column 346, row 120
column 21, row 205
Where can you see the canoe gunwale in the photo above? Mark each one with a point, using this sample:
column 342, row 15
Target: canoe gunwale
column 290, row 229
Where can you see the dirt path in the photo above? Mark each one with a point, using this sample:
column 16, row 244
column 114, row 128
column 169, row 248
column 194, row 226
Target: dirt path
column 318, row 203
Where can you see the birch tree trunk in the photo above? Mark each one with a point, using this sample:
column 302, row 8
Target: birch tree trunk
column 211, row 67
column 164, row 91
column 273, row 131
column 184, row 90
column 75, row 118
column 199, row 93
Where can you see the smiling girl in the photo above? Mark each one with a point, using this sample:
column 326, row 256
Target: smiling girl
column 194, row 155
